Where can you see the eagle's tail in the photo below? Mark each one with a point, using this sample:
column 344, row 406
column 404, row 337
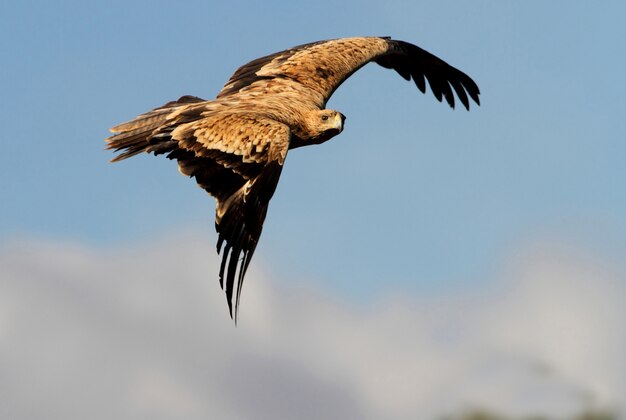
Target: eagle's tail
column 148, row 132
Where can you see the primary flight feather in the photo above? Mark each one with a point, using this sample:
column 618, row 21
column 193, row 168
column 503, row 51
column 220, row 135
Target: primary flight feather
column 235, row 145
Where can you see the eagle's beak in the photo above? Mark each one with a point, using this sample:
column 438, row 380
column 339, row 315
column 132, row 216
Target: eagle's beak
column 338, row 123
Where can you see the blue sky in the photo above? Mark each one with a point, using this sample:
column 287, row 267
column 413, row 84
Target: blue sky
column 412, row 196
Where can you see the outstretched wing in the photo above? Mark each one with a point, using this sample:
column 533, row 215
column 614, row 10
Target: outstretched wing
column 321, row 67
column 238, row 159
column 235, row 157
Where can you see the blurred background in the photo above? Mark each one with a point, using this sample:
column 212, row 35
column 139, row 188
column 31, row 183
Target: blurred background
column 426, row 263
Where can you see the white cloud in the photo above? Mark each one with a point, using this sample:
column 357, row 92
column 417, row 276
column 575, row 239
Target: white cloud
column 143, row 332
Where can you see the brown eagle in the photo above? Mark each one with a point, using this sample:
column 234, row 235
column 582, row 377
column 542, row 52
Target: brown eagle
column 235, row 145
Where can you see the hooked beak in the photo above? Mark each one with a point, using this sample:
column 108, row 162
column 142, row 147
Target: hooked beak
column 339, row 120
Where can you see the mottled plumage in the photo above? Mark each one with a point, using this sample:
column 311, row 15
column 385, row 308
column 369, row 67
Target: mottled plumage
column 235, row 146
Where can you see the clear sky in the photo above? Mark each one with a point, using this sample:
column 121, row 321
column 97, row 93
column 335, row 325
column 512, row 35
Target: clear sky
column 412, row 198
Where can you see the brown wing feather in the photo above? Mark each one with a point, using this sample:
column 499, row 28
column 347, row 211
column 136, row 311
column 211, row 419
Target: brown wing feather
column 246, row 74
column 321, row 67
column 235, row 157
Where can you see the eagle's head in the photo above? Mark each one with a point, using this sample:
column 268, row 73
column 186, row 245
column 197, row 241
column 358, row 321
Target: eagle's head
column 320, row 126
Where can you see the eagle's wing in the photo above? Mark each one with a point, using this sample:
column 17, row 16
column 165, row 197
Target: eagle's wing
column 235, row 157
column 319, row 68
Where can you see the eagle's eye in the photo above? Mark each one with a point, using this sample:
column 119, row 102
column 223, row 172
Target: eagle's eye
column 324, row 117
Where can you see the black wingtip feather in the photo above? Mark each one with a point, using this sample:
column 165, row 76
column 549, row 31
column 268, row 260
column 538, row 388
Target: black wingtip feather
column 447, row 93
column 235, row 261
column 223, row 264
column 230, row 277
column 460, row 92
column 443, row 79
column 420, row 82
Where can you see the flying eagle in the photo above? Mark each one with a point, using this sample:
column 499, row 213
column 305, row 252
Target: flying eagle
column 235, row 146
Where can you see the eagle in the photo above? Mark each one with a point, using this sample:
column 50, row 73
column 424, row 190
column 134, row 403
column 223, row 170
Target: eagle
column 235, row 145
